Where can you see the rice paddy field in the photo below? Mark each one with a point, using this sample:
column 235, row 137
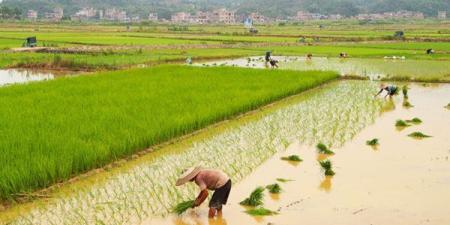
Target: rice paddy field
column 99, row 121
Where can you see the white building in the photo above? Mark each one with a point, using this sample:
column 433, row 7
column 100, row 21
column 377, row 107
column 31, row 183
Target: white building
column 153, row 17
column 442, row 15
column 32, row 15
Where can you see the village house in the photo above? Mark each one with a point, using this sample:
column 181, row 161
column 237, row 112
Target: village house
column 181, row 17
column 56, row 15
column 223, row 16
column 442, row 15
column 302, row 16
column 32, row 15
column 115, row 15
column 202, row 17
column 257, row 18
column 84, row 14
column 403, row 14
column 153, row 17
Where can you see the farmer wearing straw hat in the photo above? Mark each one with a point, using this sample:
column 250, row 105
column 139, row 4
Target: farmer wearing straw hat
column 208, row 179
column 390, row 89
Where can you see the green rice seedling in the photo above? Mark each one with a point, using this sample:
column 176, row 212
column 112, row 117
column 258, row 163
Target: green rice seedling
column 373, row 142
column 401, row 123
column 255, row 198
column 327, row 166
column 283, row 180
column 274, row 188
column 419, row 135
column 323, row 149
column 260, row 211
column 293, row 158
column 407, row 104
column 415, row 120
column 183, row 206
column 448, row 106
column 405, row 91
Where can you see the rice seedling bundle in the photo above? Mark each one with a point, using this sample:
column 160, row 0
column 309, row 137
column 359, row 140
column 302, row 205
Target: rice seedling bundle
column 405, row 91
column 260, row 211
column 372, row 142
column 401, row 123
column 414, row 120
column 327, row 167
column 407, row 104
column 293, row 158
column 255, row 198
column 181, row 207
column 283, row 180
column 418, row 135
column 274, row 188
column 323, row 149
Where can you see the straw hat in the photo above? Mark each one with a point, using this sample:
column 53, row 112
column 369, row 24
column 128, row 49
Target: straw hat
column 188, row 174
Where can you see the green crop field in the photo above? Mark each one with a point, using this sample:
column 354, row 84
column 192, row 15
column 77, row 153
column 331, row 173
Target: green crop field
column 54, row 130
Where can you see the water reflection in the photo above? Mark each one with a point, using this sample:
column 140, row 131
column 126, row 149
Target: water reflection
column 13, row 76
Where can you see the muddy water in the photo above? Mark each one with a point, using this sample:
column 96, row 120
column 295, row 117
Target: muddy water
column 13, row 76
column 402, row 181
column 144, row 188
column 372, row 68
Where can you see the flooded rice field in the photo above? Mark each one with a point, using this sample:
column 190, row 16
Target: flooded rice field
column 365, row 67
column 145, row 188
column 401, row 181
column 14, row 76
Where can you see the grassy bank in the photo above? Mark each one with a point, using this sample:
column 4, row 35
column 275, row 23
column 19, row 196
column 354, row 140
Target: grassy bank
column 54, row 130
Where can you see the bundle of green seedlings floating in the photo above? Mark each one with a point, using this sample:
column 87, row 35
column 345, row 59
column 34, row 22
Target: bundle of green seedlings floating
column 255, row 198
column 414, row 120
column 401, row 123
column 373, row 142
column 405, row 91
column 183, row 206
column 260, row 211
column 327, row 166
column 284, row 180
column 293, row 158
column 407, row 104
column 322, row 149
column 274, row 188
column 418, row 135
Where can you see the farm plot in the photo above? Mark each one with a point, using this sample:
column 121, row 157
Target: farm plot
column 146, row 188
column 93, row 120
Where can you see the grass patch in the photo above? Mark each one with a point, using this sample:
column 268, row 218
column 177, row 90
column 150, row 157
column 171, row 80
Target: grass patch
column 60, row 128
column 283, row 180
column 373, row 142
column 260, row 211
column 274, row 188
column 419, row 135
column 327, row 166
column 414, row 120
column 323, row 149
column 401, row 123
column 293, row 158
column 183, row 206
column 255, row 198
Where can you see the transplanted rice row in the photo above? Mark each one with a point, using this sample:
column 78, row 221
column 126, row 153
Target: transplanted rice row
column 147, row 188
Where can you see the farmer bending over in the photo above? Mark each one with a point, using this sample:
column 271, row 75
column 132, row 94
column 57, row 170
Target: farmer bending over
column 390, row 89
column 208, row 179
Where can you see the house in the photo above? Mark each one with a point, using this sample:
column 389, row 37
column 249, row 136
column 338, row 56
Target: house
column 442, row 15
column 114, row 14
column 32, row 15
column 257, row 18
column 223, row 16
column 84, row 14
column 55, row 15
column 181, row 17
column 153, row 17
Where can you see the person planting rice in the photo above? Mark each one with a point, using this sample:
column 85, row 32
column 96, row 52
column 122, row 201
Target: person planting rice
column 390, row 89
column 273, row 63
column 208, row 179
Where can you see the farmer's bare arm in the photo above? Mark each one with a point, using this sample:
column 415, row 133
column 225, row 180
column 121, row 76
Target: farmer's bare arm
column 379, row 93
column 201, row 198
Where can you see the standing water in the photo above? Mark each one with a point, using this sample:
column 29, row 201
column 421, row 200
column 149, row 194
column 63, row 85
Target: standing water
column 14, row 76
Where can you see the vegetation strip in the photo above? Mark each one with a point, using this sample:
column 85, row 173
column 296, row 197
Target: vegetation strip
column 96, row 119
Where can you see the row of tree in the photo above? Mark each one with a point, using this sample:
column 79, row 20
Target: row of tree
column 10, row 13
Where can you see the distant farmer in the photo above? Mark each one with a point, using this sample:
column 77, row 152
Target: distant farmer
column 430, row 51
column 390, row 89
column 268, row 56
column 189, row 60
column 343, row 55
column 309, row 56
column 208, row 179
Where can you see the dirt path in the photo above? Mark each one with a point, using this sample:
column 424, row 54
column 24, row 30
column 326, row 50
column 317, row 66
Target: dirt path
column 403, row 181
